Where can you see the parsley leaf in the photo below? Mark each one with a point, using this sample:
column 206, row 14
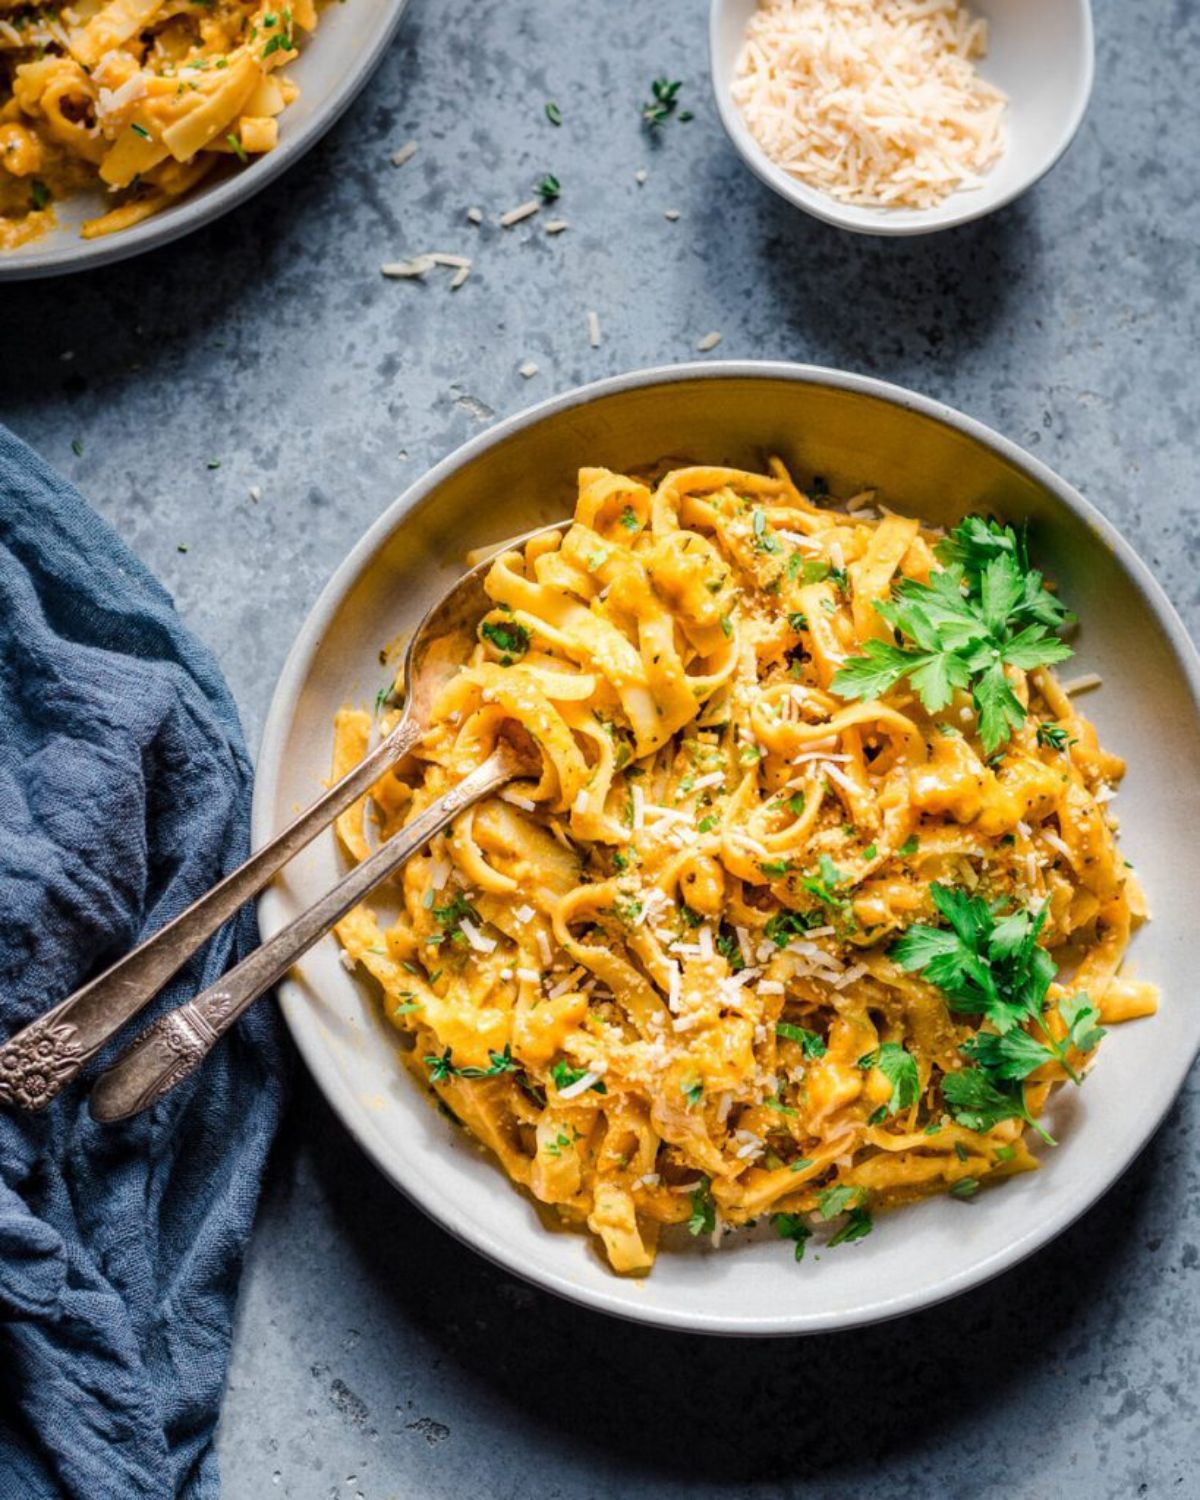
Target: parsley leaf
column 900, row 1069
column 663, row 102
column 508, row 637
column 984, row 964
column 785, row 925
column 986, row 610
column 827, row 885
column 1053, row 737
column 811, row 1044
column 792, row 1227
column 564, row 1075
column 857, row 1226
column 703, row 1219
column 832, row 1201
column 979, row 1104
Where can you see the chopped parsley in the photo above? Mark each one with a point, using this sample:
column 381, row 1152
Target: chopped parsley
column 1053, row 737
column 627, row 909
column 564, row 1075
column 548, row 188
column 811, row 1044
column 664, row 99
column 857, row 1226
column 693, row 1092
column 443, row 1066
column 832, row 1201
column 765, row 539
column 553, row 113
column 827, row 885
column 449, row 916
column 703, row 1218
column 792, row 1227
column 629, row 519
column 785, row 925
column 39, row 193
column 509, row 638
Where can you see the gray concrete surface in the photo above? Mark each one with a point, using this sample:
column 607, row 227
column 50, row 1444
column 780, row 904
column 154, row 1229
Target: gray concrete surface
column 375, row 1357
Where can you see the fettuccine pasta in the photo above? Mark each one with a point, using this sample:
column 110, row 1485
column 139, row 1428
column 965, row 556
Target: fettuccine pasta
column 140, row 97
column 817, row 896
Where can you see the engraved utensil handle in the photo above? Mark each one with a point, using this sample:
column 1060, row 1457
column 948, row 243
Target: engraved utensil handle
column 41, row 1059
column 178, row 1042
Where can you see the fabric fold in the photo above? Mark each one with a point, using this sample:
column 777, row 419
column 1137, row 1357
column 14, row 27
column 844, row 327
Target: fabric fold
column 124, row 795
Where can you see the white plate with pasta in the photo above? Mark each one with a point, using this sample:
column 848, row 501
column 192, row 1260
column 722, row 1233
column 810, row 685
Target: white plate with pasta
column 126, row 123
column 811, row 982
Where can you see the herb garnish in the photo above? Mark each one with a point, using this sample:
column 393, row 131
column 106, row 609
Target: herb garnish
column 508, row 637
column 564, row 1075
column 792, row 1227
column 703, row 1219
column 663, row 103
column 443, row 1067
column 811, row 1044
column 984, row 611
column 992, row 965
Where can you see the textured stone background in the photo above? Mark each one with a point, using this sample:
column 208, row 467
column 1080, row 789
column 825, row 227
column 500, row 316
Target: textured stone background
column 374, row 1356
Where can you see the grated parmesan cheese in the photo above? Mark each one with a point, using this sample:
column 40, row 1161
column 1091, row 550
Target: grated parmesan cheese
column 522, row 211
column 874, row 102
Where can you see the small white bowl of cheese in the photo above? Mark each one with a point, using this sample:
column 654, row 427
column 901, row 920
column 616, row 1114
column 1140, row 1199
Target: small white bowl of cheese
column 812, row 83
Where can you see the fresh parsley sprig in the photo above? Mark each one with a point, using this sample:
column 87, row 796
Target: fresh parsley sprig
column 992, row 965
column 984, row 611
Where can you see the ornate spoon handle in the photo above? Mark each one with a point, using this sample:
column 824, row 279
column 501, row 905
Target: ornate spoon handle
column 178, row 1042
column 42, row 1058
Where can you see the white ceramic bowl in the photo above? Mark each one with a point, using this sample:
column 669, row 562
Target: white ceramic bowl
column 334, row 64
column 926, row 458
column 1040, row 53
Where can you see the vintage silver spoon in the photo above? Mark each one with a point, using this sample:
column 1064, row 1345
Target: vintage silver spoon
column 42, row 1058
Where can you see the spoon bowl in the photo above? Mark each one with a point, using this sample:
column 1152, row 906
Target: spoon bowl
column 1040, row 52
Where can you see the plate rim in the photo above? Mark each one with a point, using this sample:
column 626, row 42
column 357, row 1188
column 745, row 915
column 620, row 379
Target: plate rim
column 196, row 212
column 618, row 1301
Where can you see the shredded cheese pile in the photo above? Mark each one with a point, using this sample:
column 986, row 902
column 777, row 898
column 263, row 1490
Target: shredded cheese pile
column 728, row 954
column 876, row 102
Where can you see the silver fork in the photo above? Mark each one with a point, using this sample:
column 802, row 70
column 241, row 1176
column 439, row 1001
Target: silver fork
column 40, row 1060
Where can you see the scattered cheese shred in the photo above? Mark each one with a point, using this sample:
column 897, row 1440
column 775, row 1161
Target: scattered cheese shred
column 405, row 153
column 593, row 322
column 709, row 341
column 522, row 211
column 875, row 102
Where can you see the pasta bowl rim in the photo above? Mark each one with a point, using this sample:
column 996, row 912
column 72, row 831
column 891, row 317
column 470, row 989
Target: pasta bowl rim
column 622, row 1298
column 958, row 209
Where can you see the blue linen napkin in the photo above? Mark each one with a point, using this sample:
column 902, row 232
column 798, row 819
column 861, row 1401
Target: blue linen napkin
column 124, row 794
